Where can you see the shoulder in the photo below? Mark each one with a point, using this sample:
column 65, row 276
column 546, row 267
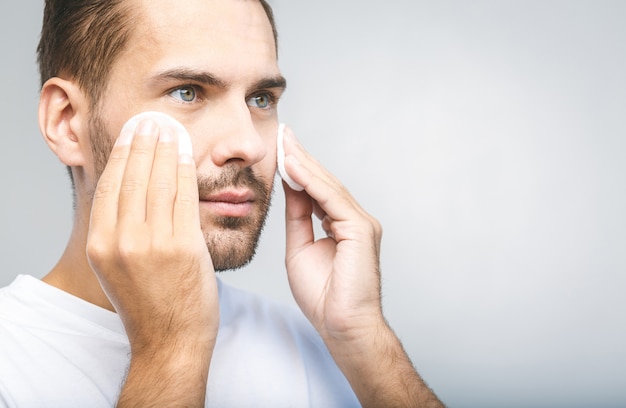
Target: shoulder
column 18, row 299
column 51, row 341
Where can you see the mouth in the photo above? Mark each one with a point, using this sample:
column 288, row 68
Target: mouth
column 229, row 203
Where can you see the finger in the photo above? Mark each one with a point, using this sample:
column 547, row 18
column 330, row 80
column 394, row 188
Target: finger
column 293, row 148
column 327, row 226
column 329, row 194
column 133, row 191
column 331, row 199
column 163, row 183
column 318, row 211
column 106, row 195
column 298, row 222
column 186, row 207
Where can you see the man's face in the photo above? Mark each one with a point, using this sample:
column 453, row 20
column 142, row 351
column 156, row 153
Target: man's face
column 212, row 65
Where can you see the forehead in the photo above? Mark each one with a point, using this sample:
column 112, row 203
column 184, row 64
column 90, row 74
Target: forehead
column 231, row 36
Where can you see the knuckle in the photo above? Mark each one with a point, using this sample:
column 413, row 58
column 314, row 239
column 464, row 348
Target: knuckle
column 131, row 250
column 377, row 227
column 97, row 250
column 130, row 186
column 104, row 189
column 371, row 228
column 163, row 186
column 185, row 200
column 128, row 247
column 117, row 157
column 187, row 177
column 142, row 150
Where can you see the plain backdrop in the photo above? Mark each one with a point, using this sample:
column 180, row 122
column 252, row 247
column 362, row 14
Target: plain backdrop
column 488, row 137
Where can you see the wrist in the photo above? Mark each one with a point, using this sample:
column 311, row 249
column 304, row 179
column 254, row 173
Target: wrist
column 174, row 374
column 177, row 349
column 379, row 370
column 364, row 338
column 357, row 328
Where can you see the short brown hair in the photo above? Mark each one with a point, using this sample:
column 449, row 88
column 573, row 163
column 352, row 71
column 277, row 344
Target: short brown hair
column 82, row 38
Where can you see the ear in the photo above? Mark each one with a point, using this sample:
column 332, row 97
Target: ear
column 63, row 120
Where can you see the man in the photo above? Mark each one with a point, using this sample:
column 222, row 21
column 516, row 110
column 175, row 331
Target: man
column 133, row 313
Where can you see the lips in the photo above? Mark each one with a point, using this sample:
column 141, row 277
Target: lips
column 230, row 203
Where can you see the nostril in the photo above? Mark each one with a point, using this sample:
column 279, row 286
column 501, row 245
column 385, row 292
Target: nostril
column 243, row 147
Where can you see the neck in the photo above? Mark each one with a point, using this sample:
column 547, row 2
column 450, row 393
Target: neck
column 72, row 273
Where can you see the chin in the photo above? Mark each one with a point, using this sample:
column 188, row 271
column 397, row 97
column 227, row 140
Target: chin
column 233, row 245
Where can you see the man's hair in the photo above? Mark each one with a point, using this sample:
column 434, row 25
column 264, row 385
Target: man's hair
column 81, row 39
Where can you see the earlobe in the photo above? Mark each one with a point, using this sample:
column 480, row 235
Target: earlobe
column 63, row 120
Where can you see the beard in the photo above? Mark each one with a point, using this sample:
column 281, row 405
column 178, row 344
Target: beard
column 231, row 241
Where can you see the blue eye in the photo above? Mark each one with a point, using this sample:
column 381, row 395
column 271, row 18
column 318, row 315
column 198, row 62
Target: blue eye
column 261, row 101
column 184, row 93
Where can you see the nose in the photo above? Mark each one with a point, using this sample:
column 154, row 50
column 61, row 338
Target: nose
column 235, row 138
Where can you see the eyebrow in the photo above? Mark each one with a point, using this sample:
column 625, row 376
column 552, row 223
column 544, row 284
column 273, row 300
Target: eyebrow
column 269, row 83
column 206, row 78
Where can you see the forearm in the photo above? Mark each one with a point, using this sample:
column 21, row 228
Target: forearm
column 380, row 372
column 167, row 378
column 336, row 283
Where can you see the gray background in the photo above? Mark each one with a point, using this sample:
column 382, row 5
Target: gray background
column 487, row 136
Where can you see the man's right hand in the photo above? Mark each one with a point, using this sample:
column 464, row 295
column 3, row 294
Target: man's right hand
column 147, row 249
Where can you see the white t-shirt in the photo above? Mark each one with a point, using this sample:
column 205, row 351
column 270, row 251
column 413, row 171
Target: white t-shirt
column 57, row 350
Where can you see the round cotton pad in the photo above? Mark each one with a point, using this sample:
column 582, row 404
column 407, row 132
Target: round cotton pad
column 163, row 120
column 280, row 157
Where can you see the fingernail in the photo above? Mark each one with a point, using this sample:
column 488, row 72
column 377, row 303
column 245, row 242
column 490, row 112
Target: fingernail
column 290, row 135
column 166, row 135
column 293, row 159
column 125, row 138
column 146, row 127
column 185, row 159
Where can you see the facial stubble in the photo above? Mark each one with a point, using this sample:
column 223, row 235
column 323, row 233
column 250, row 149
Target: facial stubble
column 231, row 241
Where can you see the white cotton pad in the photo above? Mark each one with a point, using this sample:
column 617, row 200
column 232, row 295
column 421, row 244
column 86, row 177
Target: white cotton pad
column 163, row 120
column 280, row 157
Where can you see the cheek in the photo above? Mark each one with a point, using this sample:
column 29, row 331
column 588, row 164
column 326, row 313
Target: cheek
column 101, row 143
column 267, row 167
column 115, row 109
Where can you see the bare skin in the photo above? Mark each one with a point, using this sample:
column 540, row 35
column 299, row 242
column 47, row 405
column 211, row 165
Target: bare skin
column 145, row 219
column 141, row 213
